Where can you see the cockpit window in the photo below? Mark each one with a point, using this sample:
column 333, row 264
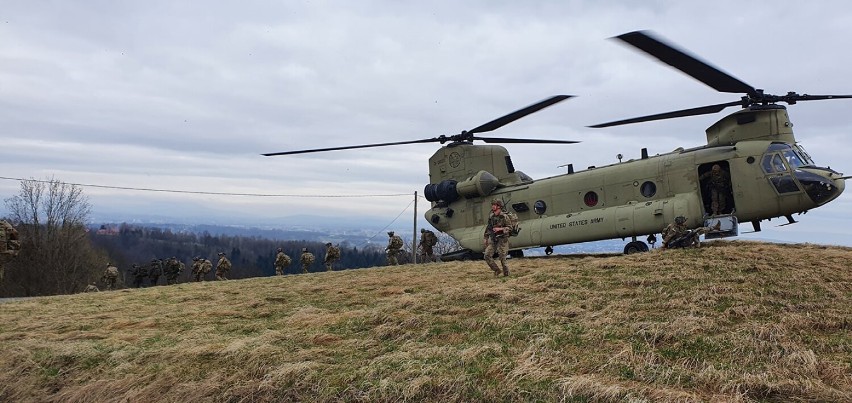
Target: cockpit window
column 804, row 154
column 793, row 159
column 773, row 163
column 778, row 147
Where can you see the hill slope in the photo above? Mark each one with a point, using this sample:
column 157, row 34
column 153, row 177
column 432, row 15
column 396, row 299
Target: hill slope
column 730, row 321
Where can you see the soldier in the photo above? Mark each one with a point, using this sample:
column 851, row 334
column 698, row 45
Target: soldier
column 307, row 259
column 172, row 270
column 91, row 287
column 428, row 240
column 282, row 262
column 718, row 182
column 332, row 254
column 394, row 246
column 155, row 271
column 677, row 235
column 10, row 245
column 674, row 230
column 139, row 273
column 195, row 268
column 206, row 267
column 110, row 277
column 497, row 234
column 223, row 267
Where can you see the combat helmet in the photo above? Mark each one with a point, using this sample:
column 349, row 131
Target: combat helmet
column 422, row 229
column 680, row 220
column 280, row 250
column 304, row 249
column 328, row 244
column 497, row 202
column 390, row 233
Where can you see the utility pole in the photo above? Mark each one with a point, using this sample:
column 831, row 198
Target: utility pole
column 414, row 238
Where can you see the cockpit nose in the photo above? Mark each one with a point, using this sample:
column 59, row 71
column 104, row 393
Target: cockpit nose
column 821, row 186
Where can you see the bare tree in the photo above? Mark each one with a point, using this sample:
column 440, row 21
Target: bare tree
column 56, row 255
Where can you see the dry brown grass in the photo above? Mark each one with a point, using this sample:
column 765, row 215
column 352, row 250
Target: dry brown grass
column 733, row 321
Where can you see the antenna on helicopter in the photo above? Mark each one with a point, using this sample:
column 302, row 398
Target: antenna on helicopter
column 466, row 136
column 707, row 74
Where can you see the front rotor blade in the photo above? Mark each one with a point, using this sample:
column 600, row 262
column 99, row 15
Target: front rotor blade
column 698, row 69
column 316, row 150
column 502, row 121
column 523, row 141
column 704, row 110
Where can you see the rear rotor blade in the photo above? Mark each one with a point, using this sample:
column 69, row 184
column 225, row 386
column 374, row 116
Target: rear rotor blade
column 316, row 150
column 522, row 141
column 502, row 121
column 696, row 68
column 805, row 97
column 703, row 110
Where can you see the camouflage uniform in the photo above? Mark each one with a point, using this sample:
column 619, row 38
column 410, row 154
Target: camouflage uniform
column 282, row 262
column 497, row 238
column 206, row 267
column 110, row 277
column 428, row 240
column 91, row 288
column 139, row 273
column 155, row 271
column 332, row 254
column 307, row 259
column 223, row 267
column 718, row 183
column 10, row 245
column 173, row 270
column 394, row 246
column 674, row 230
column 197, row 273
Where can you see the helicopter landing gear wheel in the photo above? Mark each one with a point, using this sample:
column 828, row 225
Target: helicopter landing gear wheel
column 635, row 247
column 548, row 250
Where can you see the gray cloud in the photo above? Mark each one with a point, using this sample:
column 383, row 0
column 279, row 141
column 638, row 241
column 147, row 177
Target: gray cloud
column 186, row 95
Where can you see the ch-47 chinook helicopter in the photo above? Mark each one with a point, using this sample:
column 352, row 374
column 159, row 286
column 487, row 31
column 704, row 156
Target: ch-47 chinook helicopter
column 770, row 174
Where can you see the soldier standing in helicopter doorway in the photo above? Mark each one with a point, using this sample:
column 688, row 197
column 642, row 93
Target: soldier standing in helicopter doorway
column 497, row 234
column 718, row 183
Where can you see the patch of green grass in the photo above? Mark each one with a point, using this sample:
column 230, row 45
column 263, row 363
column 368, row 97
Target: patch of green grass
column 699, row 348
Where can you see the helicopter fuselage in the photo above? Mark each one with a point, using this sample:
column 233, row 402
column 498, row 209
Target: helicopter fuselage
column 770, row 176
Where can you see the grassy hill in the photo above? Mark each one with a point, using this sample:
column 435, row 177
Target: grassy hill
column 732, row 321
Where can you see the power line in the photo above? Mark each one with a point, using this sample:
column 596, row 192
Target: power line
column 390, row 223
column 212, row 193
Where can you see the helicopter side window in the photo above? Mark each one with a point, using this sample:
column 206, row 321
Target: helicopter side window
column 648, row 189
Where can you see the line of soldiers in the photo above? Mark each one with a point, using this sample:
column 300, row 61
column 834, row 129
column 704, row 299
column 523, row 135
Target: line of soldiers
column 282, row 260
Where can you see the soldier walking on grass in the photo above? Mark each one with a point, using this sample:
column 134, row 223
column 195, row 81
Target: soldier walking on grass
column 394, row 246
column 110, row 277
column 10, row 245
column 155, row 271
column 428, row 240
column 307, row 259
column 139, row 273
column 332, row 255
column 223, row 267
column 282, row 262
column 497, row 234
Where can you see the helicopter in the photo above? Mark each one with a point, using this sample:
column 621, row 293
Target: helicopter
column 770, row 174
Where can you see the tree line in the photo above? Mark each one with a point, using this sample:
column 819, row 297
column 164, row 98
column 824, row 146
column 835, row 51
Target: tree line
column 60, row 255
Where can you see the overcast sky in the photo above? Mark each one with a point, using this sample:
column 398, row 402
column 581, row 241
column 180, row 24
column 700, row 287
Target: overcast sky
column 186, row 95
